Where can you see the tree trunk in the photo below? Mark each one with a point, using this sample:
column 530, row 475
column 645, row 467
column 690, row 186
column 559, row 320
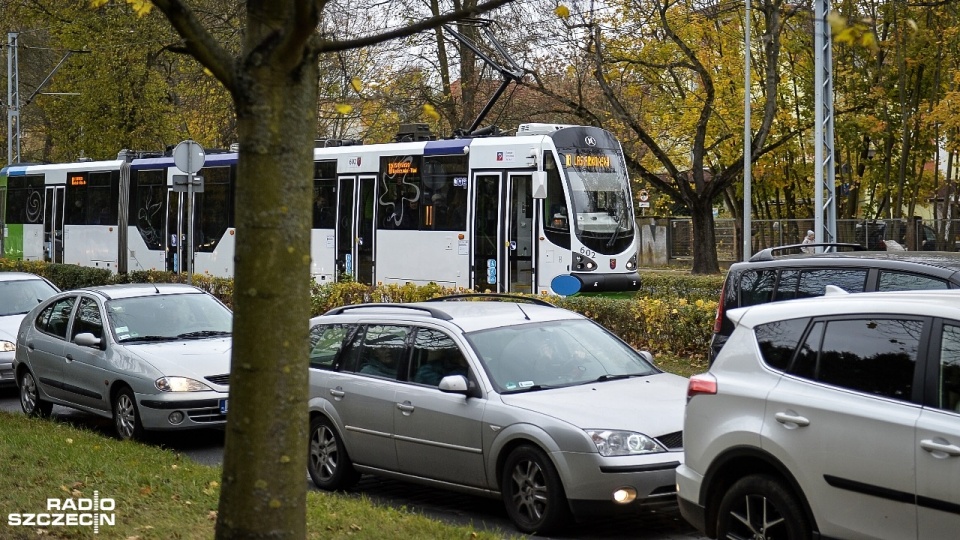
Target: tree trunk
column 704, row 237
column 262, row 493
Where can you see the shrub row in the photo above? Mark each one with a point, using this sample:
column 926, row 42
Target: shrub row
column 671, row 315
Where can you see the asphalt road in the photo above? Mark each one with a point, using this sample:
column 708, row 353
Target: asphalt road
column 206, row 446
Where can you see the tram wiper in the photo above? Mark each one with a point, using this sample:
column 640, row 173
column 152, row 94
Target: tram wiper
column 616, row 232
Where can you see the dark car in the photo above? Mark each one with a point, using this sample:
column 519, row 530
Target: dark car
column 769, row 277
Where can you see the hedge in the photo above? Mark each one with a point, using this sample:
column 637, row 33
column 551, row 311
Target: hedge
column 672, row 314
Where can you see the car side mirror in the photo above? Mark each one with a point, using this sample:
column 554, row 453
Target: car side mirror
column 648, row 356
column 86, row 339
column 458, row 384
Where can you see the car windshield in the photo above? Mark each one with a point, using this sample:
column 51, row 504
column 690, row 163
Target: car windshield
column 559, row 353
column 168, row 317
column 20, row 296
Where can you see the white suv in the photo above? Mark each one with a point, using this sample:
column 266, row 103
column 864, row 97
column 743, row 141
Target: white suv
column 833, row 417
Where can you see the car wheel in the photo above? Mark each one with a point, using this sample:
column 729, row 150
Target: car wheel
column 328, row 464
column 126, row 418
column 532, row 491
column 30, row 400
column 758, row 507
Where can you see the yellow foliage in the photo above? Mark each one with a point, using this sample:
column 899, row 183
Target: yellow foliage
column 141, row 7
column 562, row 11
column 343, row 108
column 356, row 84
column 430, row 111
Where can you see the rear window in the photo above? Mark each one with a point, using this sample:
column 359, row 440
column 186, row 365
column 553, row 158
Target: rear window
column 811, row 283
column 778, row 341
column 756, row 287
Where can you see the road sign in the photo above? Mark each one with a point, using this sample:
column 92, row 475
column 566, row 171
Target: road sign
column 189, row 156
column 643, row 195
column 643, row 204
column 181, row 182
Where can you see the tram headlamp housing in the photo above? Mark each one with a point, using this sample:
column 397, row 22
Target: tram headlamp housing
column 583, row 264
column 632, row 262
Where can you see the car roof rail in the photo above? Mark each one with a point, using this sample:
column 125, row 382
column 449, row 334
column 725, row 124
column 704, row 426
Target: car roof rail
column 494, row 296
column 768, row 253
column 435, row 313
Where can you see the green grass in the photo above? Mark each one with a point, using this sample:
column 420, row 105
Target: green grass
column 161, row 494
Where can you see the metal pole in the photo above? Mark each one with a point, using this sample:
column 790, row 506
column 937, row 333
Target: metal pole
column 825, row 220
column 190, row 246
column 747, row 139
column 13, row 100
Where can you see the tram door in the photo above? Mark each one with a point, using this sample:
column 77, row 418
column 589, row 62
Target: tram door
column 176, row 232
column 503, row 241
column 53, row 224
column 355, row 228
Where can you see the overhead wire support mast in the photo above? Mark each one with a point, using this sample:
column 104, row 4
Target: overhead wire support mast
column 825, row 174
column 511, row 73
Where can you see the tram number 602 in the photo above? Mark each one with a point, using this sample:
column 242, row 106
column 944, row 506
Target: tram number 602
column 588, row 252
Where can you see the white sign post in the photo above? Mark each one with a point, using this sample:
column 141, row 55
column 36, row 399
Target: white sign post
column 189, row 157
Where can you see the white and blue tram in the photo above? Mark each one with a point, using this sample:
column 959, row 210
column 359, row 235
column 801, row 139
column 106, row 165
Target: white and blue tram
column 548, row 210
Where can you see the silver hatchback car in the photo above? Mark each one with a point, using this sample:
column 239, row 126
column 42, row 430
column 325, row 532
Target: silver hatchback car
column 19, row 293
column 512, row 398
column 151, row 357
column 833, row 417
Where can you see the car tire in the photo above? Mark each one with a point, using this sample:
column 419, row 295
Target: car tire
column 758, row 507
column 30, row 400
column 126, row 417
column 329, row 465
column 532, row 492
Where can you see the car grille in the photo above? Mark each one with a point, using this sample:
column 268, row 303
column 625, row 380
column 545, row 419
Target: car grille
column 222, row 380
column 673, row 441
column 210, row 414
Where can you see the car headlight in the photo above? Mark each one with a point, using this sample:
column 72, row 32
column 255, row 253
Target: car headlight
column 7, row 346
column 623, row 443
column 180, row 384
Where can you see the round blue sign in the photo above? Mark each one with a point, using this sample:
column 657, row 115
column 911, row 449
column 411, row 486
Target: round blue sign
column 565, row 285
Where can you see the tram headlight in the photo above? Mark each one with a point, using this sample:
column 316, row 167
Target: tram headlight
column 584, row 264
column 632, row 263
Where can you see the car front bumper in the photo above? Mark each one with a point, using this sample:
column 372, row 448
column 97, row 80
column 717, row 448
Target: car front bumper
column 6, row 369
column 591, row 480
column 198, row 410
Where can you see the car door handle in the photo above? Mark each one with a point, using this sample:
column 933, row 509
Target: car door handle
column 406, row 408
column 337, row 393
column 30, row 346
column 791, row 418
column 941, row 448
column 69, row 358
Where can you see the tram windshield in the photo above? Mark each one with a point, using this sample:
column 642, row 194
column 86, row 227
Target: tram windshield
column 599, row 197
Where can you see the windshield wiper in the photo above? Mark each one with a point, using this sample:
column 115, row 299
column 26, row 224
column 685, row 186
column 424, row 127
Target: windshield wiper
column 533, row 388
column 608, row 377
column 204, row 333
column 147, row 338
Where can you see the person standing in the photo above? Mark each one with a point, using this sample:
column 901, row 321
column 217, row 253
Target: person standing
column 808, row 240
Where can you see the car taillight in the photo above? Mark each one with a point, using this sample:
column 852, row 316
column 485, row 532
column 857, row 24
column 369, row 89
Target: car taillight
column 702, row 384
column 718, row 322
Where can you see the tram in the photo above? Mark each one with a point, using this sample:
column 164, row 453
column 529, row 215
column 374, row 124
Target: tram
column 547, row 210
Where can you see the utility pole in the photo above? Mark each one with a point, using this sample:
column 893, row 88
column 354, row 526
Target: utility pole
column 825, row 218
column 13, row 100
column 13, row 94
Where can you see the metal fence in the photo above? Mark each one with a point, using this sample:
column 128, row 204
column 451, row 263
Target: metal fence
column 939, row 235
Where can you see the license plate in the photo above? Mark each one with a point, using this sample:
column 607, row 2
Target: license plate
column 223, row 406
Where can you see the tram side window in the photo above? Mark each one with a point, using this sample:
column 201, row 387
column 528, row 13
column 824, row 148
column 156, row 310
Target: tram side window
column 401, row 194
column 324, row 195
column 25, row 199
column 213, row 208
column 91, row 198
column 445, row 193
column 148, row 190
column 556, row 218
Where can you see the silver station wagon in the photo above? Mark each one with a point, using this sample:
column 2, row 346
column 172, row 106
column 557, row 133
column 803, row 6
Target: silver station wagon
column 151, row 357
column 504, row 397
